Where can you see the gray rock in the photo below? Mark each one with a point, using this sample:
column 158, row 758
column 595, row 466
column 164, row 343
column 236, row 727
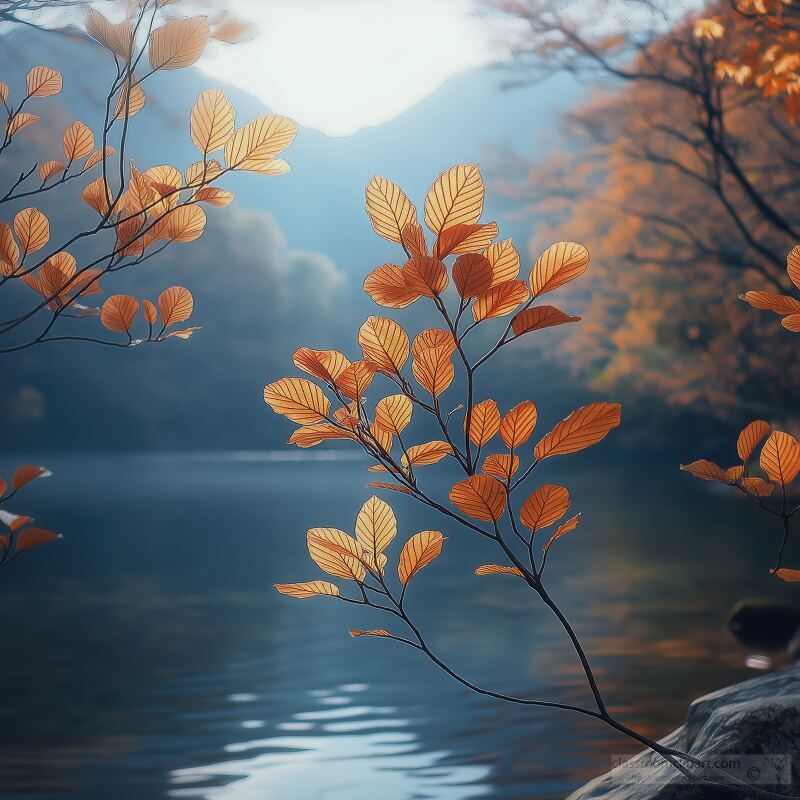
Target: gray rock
column 757, row 721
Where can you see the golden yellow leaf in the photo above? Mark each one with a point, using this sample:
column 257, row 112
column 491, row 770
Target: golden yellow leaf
column 35, row 537
column 565, row 527
column 413, row 240
column 179, row 43
column 559, row 264
column 269, row 166
column 499, row 300
column 376, row 526
column 793, row 265
column 185, row 223
column 212, row 121
column 355, row 379
column 708, row 28
column 504, row 260
column 298, row 399
column 327, row 365
column 464, row 239
column 130, row 101
column 26, row 473
column 422, row 455
column 20, row 121
column 517, row 426
column 78, row 141
column 43, row 82
column 312, row 435
column 49, row 169
column 480, row 496
column 119, row 312
column 382, row 437
column 707, row 470
column 391, row 486
column 750, row 437
column 116, row 38
column 430, row 338
column 497, row 569
column 584, row 427
column 336, row 553
column 472, row 274
column 418, row 552
column 259, row 141
column 501, row 465
column 455, row 198
column 386, row 285
column 538, row 317
column 393, row 413
column 384, row 343
column 769, row 301
column 308, row 589
column 484, row 422
column 788, row 575
column 176, row 305
column 546, row 505
column 433, row 369
column 389, row 209
column 425, row 275
column 32, row 229
column 780, row 457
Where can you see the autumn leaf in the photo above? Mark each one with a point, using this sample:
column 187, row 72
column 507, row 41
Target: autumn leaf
column 538, row 317
column 500, row 300
column 43, row 82
column 707, row 470
column 356, row 379
column 422, row 455
column 258, row 142
column 327, row 365
column 131, row 101
column 298, row 399
column 788, row 575
column 150, row 312
column 480, row 496
column 9, row 251
column 418, row 552
column 316, row 433
column 78, row 141
column 178, row 44
column 484, row 422
column 212, row 121
column 308, row 589
column 517, row 426
column 386, row 285
column 546, row 505
column 433, row 369
column 379, row 632
column 559, row 264
column 769, row 301
column 501, row 465
column 425, row 275
column 472, row 274
column 20, row 121
column 758, row 487
column 26, row 473
column 750, row 437
column 175, row 305
column 336, row 553
column 465, row 239
column 497, row 569
column 565, row 527
column 116, row 38
column 49, row 169
column 388, row 208
column 584, row 427
column 376, row 526
column 384, row 343
column 118, row 313
column 791, row 323
column 431, row 338
column 455, row 198
column 32, row 229
column 793, row 265
column 185, row 223
column 393, row 413
column 35, row 537
column 780, row 457
column 504, row 260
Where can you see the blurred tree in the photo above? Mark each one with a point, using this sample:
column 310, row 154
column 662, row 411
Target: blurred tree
column 686, row 180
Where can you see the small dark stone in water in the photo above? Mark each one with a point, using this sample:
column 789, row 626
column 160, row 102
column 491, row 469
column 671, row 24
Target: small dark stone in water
column 763, row 624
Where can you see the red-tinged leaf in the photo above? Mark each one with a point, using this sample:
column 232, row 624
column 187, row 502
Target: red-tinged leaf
column 789, row 575
column 497, row 569
column 26, row 473
column 35, row 537
column 464, row 239
column 425, row 275
column 500, row 300
column 19, row 521
column 707, row 470
column 588, row 425
column 3, row 487
column 472, row 274
column 769, row 301
column 480, row 496
column 758, row 486
column 413, row 238
column 538, row 317
column 484, row 422
column 792, row 323
column 750, row 436
column 544, row 507
column 565, row 527
column 386, row 285
column 327, row 365
column 380, row 632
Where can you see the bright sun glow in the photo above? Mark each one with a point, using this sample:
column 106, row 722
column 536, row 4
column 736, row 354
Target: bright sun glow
column 342, row 65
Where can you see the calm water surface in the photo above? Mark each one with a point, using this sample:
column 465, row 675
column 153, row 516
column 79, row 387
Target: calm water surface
column 147, row 656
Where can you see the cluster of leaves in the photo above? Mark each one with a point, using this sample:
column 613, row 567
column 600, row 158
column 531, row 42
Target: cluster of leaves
column 484, row 275
column 769, row 57
column 786, row 306
column 21, row 536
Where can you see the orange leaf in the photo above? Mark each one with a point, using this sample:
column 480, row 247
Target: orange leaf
column 298, row 399
column 212, row 121
column 758, row 486
column 500, row 300
column 497, row 569
column 750, row 437
column 417, row 553
column 788, row 575
column 504, row 260
column 769, row 301
column 780, row 457
column 96, row 156
column 43, row 82
column 179, row 43
column 517, row 426
column 49, row 169
column 433, row 369
column 793, row 265
column 707, row 470
column 20, row 121
column 182, row 334
column 308, row 589
column 150, row 313
column 35, row 537
column 472, row 274
column 392, row 486
column 386, row 285
column 480, row 496
column 464, row 239
column 130, row 101
column 116, row 38
column 565, row 527
column 327, row 365
column 393, row 413
column 792, row 323
column 455, row 198
column 484, row 422
column 78, row 141
column 175, row 305
column 559, row 264
column 582, row 428
column 336, row 553
column 9, row 252
column 3, row 487
column 546, row 505
column 501, row 465
column 214, row 196
column 389, row 209
column 26, row 473
column 422, row 455
column 538, row 317
column 312, row 435
column 355, row 379
column 413, row 239
column 425, row 275
column 384, row 343
column 119, row 312
column 431, row 338
column 32, row 229
column 185, row 223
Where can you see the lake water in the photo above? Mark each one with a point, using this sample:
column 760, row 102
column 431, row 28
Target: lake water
column 147, row 655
